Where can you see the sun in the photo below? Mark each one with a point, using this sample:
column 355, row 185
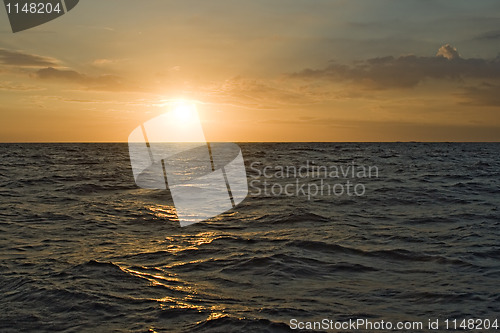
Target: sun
column 184, row 113
column 179, row 123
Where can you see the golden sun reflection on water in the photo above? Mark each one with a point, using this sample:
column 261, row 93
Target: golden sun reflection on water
column 163, row 211
column 153, row 278
column 216, row 315
column 169, row 213
column 167, row 303
column 181, row 293
column 189, row 242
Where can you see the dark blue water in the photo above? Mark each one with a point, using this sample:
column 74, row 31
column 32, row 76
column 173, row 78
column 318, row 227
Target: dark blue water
column 83, row 249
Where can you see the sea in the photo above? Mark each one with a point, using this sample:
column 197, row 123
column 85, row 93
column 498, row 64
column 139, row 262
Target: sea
column 329, row 233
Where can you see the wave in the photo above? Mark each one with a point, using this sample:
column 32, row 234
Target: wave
column 84, row 249
column 292, row 217
column 393, row 254
column 231, row 324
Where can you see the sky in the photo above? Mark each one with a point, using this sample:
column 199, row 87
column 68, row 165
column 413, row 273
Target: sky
column 274, row 70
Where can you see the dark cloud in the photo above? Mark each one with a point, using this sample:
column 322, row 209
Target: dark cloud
column 485, row 94
column 60, row 74
column 375, row 131
column 102, row 82
column 408, row 71
column 490, row 35
column 16, row 58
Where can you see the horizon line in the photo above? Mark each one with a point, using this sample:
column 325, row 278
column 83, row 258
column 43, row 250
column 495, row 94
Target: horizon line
column 126, row 142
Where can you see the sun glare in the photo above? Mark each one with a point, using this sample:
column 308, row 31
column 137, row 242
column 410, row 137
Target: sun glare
column 184, row 113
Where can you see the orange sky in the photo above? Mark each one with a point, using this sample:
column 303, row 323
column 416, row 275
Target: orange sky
column 259, row 71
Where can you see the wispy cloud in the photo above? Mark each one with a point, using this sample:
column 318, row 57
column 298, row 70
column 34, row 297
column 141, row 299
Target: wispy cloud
column 489, row 36
column 266, row 93
column 12, row 86
column 18, row 58
column 102, row 82
column 486, row 94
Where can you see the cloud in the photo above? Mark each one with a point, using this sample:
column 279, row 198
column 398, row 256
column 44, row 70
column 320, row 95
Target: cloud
column 391, row 130
column 102, row 62
column 407, row 71
column 448, row 51
column 485, row 94
column 46, row 68
column 60, row 74
column 17, row 58
column 102, row 82
column 11, row 86
column 489, row 36
column 264, row 94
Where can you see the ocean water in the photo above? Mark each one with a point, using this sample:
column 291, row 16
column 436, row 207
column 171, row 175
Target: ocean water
column 83, row 249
